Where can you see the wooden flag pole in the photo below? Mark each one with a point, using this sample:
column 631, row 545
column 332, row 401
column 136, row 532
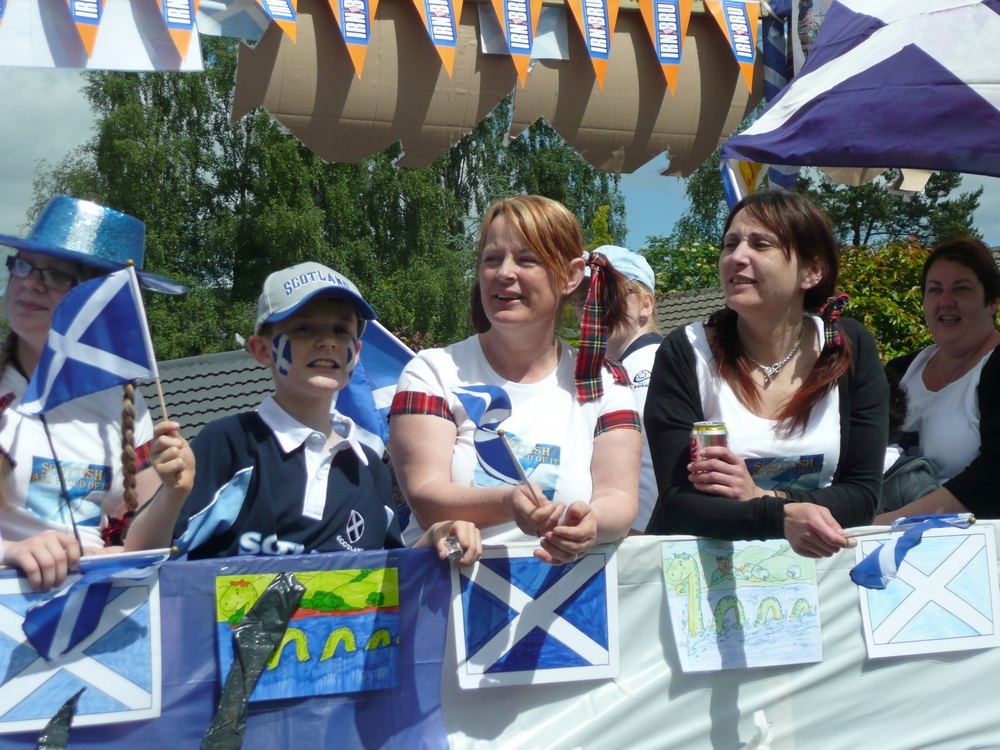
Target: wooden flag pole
column 159, row 388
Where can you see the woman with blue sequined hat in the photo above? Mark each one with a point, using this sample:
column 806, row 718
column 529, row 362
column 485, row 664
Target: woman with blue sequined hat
column 82, row 464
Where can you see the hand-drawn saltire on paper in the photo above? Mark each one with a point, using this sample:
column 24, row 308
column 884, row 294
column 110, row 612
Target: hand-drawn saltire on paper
column 355, row 20
column 118, row 663
column 519, row 20
column 596, row 19
column 667, row 22
column 741, row 604
column 738, row 21
column 441, row 19
column 945, row 596
column 344, row 638
column 519, row 621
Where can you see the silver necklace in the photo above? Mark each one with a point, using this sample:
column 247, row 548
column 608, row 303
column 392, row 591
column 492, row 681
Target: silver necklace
column 771, row 370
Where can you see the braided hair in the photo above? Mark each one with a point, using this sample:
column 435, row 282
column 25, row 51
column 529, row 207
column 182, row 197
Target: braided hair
column 6, row 357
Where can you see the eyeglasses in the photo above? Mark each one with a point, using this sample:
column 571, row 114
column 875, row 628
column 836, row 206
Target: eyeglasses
column 59, row 281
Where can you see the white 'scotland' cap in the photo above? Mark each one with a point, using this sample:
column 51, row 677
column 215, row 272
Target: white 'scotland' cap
column 285, row 291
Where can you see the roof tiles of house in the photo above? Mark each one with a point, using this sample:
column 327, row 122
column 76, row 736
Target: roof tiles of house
column 680, row 308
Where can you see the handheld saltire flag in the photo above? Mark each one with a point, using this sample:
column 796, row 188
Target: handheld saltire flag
column 58, row 624
column 667, row 22
column 87, row 17
column 488, row 406
column 355, row 20
column 881, row 566
column 180, row 17
column 739, row 179
column 778, row 70
column 597, row 19
column 99, row 339
column 738, row 19
column 368, row 394
column 519, row 21
column 282, row 12
column 441, row 19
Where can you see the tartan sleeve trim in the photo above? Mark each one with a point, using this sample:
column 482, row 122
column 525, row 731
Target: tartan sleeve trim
column 623, row 419
column 415, row 402
column 618, row 372
column 142, row 456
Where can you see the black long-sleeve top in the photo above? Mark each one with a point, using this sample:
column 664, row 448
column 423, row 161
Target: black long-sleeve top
column 674, row 405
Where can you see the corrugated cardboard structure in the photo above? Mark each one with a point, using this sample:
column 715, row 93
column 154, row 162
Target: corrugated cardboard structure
column 406, row 95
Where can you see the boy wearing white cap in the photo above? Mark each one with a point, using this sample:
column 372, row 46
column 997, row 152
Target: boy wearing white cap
column 292, row 476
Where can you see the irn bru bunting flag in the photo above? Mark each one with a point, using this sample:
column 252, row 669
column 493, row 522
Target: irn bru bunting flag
column 738, row 19
column 597, row 19
column 282, row 12
column 441, row 18
column 87, row 17
column 667, row 22
column 355, row 20
column 179, row 16
column 519, row 20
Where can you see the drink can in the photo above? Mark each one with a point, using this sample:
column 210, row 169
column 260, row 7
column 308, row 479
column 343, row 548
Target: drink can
column 707, row 434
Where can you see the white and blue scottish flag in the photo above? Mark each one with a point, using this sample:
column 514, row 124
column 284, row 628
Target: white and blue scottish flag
column 520, row 621
column 901, row 83
column 99, row 339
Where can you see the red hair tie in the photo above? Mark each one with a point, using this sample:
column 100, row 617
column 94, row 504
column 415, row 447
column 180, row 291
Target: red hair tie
column 830, row 314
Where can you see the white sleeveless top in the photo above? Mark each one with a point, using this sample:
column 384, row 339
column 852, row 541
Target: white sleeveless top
column 947, row 422
column 804, row 460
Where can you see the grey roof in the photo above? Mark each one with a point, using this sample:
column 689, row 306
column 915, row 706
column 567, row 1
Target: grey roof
column 199, row 390
column 676, row 309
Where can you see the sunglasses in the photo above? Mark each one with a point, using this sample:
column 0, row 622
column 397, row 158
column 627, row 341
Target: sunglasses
column 59, row 281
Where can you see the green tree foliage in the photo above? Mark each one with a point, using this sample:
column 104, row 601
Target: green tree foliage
column 680, row 269
column 600, row 229
column 375, row 599
column 225, row 204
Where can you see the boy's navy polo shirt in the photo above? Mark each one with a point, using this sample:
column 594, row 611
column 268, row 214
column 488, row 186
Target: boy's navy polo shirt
column 252, row 481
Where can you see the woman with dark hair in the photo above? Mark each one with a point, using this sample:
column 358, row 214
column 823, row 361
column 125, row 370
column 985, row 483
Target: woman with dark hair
column 802, row 393
column 570, row 420
column 953, row 386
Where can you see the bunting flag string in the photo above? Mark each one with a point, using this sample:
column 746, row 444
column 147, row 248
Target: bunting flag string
column 282, row 12
column 667, row 22
column 597, row 19
column 355, row 20
column 738, row 20
column 441, row 19
column 180, row 17
column 519, row 20
column 87, row 17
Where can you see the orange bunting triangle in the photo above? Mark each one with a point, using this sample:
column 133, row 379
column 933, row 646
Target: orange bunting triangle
column 667, row 23
column 87, row 18
column 355, row 20
column 738, row 21
column 519, row 21
column 284, row 13
column 180, row 17
column 596, row 19
column 441, row 19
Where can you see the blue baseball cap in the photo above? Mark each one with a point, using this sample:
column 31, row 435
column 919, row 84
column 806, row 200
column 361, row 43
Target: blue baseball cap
column 630, row 265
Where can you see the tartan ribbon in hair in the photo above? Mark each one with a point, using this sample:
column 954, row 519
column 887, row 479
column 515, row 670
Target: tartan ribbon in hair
column 831, row 313
column 593, row 335
column 5, row 401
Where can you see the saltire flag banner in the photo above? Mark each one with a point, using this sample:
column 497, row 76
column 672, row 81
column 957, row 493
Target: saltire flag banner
column 282, row 12
column 61, row 622
column 519, row 21
column 667, row 22
column 441, row 19
column 902, row 83
column 180, row 17
column 597, row 19
column 3, row 7
column 99, row 339
column 87, row 17
column 740, row 178
column 520, row 621
column 368, row 394
column 738, row 19
column 488, row 406
column 880, row 567
column 778, row 70
column 355, row 20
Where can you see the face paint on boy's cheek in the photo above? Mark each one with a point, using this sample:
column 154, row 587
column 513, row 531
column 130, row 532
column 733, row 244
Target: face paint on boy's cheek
column 281, row 351
column 352, row 356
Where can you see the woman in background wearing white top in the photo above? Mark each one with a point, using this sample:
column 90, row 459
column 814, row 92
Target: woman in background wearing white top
column 570, row 420
column 953, row 385
column 803, row 395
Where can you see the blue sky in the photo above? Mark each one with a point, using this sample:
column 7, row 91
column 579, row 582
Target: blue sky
column 46, row 116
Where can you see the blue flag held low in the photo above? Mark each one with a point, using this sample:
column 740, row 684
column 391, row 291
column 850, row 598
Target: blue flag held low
column 99, row 339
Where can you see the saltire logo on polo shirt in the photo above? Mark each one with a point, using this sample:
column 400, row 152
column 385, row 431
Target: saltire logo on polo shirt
column 667, row 22
column 179, row 17
column 355, row 527
column 522, row 621
column 519, row 20
column 441, row 19
column 738, row 19
column 282, row 12
column 597, row 19
column 355, row 20
column 488, row 406
column 87, row 17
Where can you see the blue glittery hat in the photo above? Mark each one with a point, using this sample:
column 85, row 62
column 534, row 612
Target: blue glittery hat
column 91, row 235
